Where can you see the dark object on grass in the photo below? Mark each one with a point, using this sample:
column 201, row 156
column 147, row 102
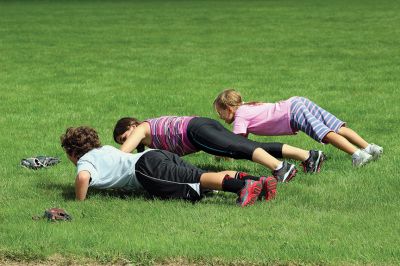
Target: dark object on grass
column 54, row 215
column 39, row 162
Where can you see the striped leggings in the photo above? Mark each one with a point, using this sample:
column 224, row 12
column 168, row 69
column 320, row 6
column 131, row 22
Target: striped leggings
column 308, row 117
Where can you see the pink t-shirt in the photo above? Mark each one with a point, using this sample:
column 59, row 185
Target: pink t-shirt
column 266, row 119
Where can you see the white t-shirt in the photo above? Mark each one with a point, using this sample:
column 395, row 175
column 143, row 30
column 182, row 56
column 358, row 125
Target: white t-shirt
column 110, row 168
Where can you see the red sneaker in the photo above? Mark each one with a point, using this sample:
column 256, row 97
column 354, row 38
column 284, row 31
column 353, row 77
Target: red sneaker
column 249, row 193
column 269, row 187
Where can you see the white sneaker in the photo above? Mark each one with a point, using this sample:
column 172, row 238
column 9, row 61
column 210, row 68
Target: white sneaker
column 374, row 150
column 361, row 159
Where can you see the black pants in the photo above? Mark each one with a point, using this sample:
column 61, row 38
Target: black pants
column 210, row 136
column 165, row 175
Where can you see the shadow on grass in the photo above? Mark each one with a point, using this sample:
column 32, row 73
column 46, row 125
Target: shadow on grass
column 219, row 168
column 68, row 191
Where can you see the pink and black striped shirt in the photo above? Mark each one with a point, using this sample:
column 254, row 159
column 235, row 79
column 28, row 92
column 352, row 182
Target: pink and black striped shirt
column 170, row 133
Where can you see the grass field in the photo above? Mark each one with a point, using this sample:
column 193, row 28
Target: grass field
column 71, row 63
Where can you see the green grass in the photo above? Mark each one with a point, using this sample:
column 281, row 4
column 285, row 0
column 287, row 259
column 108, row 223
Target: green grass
column 67, row 63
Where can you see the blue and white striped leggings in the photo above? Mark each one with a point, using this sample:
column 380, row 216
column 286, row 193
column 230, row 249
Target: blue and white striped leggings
column 308, row 117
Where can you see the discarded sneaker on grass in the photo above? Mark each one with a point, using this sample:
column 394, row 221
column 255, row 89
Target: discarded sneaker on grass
column 39, row 162
column 54, row 215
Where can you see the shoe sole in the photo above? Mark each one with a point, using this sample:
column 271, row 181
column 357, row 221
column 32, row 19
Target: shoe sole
column 250, row 198
column 270, row 188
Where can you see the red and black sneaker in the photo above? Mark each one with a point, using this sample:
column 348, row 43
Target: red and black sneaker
column 249, row 193
column 269, row 187
column 241, row 175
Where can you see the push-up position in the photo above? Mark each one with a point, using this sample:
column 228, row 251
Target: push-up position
column 187, row 134
column 160, row 173
column 290, row 116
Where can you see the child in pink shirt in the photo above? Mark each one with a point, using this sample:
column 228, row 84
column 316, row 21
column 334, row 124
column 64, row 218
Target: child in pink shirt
column 290, row 116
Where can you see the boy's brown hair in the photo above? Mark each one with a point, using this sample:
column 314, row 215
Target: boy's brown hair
column 123, row 125
column 77, row 141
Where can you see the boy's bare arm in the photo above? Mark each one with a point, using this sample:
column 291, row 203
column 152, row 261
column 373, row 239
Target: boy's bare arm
column 82, row 185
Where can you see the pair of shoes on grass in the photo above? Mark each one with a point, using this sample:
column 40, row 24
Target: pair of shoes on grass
column 312, row 165
column 265, row 188
column 362, row 157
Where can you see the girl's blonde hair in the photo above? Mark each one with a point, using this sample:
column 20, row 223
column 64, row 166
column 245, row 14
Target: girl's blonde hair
column 230, row 98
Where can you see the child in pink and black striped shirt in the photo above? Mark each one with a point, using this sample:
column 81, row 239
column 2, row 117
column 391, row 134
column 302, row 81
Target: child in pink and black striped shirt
column 290, row 116
column 188, row 134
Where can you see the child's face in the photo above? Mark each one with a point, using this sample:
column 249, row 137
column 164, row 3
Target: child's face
column 227, row 114
column 122, row 138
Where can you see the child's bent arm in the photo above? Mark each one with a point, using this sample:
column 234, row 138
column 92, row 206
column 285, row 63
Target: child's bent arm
column 82, row 185
column 134, row 139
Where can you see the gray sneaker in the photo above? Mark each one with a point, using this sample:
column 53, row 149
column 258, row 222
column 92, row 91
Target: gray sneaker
column 374, row 150
column 285, row 173
column 314, row 162
column 362, row 159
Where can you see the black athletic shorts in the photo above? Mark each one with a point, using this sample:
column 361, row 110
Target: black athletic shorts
column 212, row 137
column 165, row 175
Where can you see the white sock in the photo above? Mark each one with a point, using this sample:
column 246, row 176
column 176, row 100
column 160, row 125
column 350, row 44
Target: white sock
column 280, row 165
